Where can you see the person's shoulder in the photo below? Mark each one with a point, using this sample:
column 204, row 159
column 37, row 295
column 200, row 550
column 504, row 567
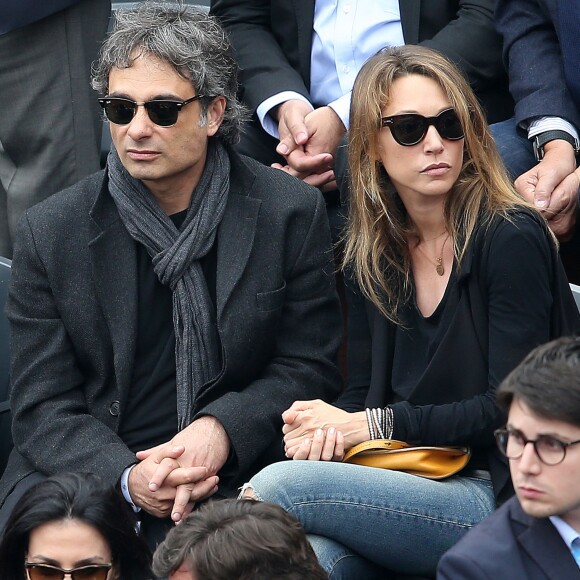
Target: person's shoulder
column 489, row 545
column 69, row 203
column 275, row 186
column 519, row 227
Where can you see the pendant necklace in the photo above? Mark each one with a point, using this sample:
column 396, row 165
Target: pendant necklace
column 439, row 263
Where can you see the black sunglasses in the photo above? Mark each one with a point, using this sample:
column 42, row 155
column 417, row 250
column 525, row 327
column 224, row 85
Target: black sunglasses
column 48, row 572
column 162, row 112
column 410, row 128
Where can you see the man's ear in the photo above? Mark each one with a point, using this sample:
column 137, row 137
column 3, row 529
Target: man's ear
column 215, row 115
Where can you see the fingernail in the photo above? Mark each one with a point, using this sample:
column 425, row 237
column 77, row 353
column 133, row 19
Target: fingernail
column 541, row 202
column 176, row 516
column 153, row 487
column 319, row 432
column 331, row 431
column 282, row 149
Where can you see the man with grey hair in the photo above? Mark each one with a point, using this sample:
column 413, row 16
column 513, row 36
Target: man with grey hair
column 166, row 310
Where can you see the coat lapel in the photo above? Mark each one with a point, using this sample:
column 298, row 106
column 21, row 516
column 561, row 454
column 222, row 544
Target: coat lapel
column 114, row 265
column 545, row 547
column 410, row 11
column 236, row 233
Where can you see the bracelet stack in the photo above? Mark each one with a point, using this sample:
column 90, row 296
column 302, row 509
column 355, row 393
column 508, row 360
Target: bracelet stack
column 380, row 423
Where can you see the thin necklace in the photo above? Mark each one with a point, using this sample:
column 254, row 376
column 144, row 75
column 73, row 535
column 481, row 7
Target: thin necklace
column 439, row 263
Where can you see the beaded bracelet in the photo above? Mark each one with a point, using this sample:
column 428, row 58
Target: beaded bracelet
column 380, row 422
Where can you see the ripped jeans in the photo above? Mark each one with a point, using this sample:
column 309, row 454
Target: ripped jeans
column 363, row 521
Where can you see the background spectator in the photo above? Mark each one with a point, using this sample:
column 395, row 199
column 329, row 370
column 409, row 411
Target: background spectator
column 298, row 63
column 50, row 126
column 73, row 521
column 237, row 540
column 535, row 535
column 540, row 44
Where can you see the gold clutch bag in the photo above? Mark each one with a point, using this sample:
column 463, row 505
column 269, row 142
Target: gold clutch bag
column 430, row 462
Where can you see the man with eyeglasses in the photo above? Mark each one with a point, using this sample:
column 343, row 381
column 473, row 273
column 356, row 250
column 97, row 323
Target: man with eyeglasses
column 535, row 535
column 164, row 312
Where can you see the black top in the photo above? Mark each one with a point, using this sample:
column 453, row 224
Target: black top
column 150, row 417
column 418, row 339
column 512, row 296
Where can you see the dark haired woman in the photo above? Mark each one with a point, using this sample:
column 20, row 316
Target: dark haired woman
column 73, row 524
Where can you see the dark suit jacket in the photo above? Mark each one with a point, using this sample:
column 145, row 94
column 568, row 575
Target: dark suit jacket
column 23, row 12
column 273, row 41
column 513, row 296
column 510, row 545
column 72, row 308
column 534, row 60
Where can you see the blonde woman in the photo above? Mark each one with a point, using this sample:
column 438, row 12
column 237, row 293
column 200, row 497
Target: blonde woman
column 461, row 278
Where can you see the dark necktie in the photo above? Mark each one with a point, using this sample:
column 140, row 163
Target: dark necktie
column 569, row 27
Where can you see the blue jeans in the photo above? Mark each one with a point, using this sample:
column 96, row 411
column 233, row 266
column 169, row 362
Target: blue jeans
column 516, row 151
column 364, row 517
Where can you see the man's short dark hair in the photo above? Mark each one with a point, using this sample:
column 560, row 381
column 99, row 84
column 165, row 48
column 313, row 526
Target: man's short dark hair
column 547, row 381
column 239, row 540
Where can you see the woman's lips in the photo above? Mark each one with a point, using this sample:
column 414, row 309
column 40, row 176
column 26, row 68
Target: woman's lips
column 436, row 169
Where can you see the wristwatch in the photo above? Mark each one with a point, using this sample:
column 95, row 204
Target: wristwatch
column 540, row 140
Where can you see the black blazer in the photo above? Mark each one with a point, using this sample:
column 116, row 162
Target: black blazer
column 72, row 308
column 510, row 545
column 513, row 296
column 273, row 42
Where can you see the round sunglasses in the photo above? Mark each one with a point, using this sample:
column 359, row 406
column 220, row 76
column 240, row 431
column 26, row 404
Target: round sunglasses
column 162, row 112
column 48, row 572
column 410, row 128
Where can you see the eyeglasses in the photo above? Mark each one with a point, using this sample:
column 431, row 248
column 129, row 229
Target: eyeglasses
column 47, row 572
column 410, row 128
column 549, row 450
column 162, row 112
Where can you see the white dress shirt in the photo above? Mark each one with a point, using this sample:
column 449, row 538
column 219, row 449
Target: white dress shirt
column 346, row 33
column 568, row 533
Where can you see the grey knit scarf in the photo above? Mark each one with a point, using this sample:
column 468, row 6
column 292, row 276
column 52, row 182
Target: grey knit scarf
column 175, row 255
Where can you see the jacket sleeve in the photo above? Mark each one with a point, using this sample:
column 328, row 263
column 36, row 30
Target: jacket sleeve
column 532, row 53
column 471, row 41
column 517, row 297
column 265, row 69
column 52, row 427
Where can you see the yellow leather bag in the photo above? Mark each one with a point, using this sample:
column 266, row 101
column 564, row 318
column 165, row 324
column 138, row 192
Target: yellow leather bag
column 430, row 462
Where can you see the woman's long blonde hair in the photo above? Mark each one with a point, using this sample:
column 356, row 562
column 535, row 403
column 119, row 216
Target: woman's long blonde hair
column 376, row 241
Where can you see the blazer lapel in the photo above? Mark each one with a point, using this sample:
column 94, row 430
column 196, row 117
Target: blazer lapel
column 235, row 236
column 114, row 265
column 544, row 546
column 410, row 11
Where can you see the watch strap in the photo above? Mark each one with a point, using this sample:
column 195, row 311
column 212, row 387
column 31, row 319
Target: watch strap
column 543, row 138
